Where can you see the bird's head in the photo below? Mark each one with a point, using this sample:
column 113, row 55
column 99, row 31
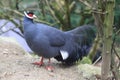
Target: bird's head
column 29, row 14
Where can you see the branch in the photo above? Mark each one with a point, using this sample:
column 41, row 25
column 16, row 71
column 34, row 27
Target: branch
column 18, row 33
column 3, row 25
column 14, row 11
column 52, row 12
column 20, row 14
column 114, row 67
column 114, row 39
column 86, row 3
column 117, row 32
column 117, row 57
column 7, row 30
column 61, row 7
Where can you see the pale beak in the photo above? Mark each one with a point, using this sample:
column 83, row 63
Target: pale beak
column 34, row 16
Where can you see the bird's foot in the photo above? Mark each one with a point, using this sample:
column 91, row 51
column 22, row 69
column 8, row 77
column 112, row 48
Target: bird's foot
column 38, row 63
column 49, row 68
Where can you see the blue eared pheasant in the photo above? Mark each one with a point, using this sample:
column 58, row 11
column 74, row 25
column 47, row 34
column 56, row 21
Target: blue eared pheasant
column 49, row 42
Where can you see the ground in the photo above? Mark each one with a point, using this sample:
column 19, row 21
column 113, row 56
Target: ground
column 16, row 64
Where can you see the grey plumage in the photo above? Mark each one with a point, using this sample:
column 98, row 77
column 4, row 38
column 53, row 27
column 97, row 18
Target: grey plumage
column 48, row 41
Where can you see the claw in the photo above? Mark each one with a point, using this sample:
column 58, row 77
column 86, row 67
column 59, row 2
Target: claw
column 50, row 68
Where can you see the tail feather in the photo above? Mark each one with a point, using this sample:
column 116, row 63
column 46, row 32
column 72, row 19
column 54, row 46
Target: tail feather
column 83, row 29
column 84, row 34
column 83, row 37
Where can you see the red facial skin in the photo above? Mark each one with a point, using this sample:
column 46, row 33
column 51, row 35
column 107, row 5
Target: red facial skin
column 31, row 15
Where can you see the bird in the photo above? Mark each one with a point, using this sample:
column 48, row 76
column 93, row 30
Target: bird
column 49, row 42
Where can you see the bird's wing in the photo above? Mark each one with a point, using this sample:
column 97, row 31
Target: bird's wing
column 57, row 39
column 54, row 36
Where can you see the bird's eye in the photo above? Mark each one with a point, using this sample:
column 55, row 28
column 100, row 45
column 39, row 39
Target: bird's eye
column 31, row 15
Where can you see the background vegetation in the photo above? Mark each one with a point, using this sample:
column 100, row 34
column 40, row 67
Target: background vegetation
column 62, row 14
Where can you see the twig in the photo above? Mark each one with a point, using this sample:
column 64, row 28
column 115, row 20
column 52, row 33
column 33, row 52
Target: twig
column 52, row 12
column 86, row 3
column 18, row 33
column 93, row 8
column 114, row 39
column 99, row 12
column 14, row 11
column 3, row 25
column 41, row 7
column 97, row 60
column 20, row 14
column 7, row 30
column 117, row 32
column 116, row 54
column 72, row 5
column 114, row 67
column 117, row 57
column 61, row 7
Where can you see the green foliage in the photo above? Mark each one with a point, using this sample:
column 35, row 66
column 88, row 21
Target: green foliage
column 117, row 40
column 63, row 14
column 117, row 13
column 55, row 11
column 85, row 60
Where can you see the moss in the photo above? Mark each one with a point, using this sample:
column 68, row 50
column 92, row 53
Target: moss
column 85, row 60
column 89, row 71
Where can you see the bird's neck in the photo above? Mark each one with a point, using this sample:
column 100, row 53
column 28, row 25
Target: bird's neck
column 27, row 24
column 28, row 20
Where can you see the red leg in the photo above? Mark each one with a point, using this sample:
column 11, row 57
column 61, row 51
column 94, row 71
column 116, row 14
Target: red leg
column 39, row 63
column 49, row 67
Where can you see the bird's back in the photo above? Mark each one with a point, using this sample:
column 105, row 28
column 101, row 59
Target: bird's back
column 80, row 41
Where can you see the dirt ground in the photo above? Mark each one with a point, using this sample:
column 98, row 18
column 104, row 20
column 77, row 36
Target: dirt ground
column 15, row 65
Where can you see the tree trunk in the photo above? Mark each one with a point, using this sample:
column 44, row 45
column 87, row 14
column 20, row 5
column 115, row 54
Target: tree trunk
column 107, row 38
column 68, row 20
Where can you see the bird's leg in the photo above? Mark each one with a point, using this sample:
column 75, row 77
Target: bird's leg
column 40, row 63
column 49, row 67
